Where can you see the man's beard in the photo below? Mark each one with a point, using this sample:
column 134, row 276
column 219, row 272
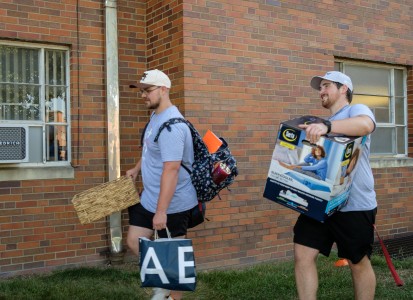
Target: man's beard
column 326, row 103
column 152, row 105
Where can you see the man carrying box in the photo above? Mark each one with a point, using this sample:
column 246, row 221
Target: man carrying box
column 351, row 228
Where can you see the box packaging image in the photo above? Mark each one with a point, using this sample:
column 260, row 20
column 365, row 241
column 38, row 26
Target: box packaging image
column 313, row 179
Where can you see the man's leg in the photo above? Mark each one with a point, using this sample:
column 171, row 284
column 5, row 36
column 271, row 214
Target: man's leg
column 306, row 276
column 134, row 233
column 364, row 279
column 355, row 239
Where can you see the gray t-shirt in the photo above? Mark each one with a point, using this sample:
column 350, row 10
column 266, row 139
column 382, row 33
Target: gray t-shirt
column 362, row 194
column 174, row 145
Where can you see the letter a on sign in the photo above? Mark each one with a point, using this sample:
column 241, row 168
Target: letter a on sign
column 151, row 255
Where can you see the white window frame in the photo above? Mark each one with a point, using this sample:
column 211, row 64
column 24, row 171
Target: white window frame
column 57, row 166
column 342, row 67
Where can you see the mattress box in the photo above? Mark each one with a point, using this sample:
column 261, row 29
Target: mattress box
column 312, row 179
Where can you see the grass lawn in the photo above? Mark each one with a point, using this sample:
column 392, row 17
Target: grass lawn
column 264, row 281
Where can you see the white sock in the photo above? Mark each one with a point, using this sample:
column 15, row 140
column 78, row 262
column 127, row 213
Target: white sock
column 160, row 294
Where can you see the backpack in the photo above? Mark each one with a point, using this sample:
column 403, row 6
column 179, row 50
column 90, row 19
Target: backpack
column 203, row 166
column 205, row 162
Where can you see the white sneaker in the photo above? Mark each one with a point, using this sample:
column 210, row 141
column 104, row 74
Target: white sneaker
column 160, row 294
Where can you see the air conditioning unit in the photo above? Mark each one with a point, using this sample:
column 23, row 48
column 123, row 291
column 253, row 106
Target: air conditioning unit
column 14, row 144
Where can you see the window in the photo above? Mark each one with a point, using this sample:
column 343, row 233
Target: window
column 383, row 89
column 34, row 95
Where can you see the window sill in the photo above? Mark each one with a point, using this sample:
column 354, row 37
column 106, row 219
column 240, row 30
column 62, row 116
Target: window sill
column 13, row 173
column 378, row 162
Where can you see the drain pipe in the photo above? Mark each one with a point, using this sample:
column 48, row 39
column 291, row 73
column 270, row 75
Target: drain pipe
column 112, row 103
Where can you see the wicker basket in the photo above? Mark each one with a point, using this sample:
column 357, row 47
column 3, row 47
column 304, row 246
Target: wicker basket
column 105, row 199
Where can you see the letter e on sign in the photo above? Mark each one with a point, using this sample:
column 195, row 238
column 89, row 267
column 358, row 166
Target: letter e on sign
column 183, row 264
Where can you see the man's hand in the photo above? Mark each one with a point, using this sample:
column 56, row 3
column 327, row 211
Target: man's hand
column 314, row 131
column 159, row 220
column 133, row 173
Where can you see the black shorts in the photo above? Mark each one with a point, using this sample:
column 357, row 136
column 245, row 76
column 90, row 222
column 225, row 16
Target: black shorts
column 177, row 223
column 353, row 233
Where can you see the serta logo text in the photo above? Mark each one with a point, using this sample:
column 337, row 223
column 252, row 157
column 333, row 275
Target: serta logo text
column 348, row 152
column 289, row 135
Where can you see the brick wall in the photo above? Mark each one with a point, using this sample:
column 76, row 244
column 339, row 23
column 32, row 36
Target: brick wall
column 410, row 108
column 248, row 67
column 40, row 229
column 238, row 68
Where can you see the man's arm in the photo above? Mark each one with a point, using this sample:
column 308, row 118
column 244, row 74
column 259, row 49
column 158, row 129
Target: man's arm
column 355, row 126
column 169, row 180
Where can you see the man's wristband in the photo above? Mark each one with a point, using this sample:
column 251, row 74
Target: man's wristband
column 328, row 124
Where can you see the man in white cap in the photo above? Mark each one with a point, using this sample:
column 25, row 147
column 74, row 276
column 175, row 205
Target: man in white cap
column 168, row 194
column 351, row 228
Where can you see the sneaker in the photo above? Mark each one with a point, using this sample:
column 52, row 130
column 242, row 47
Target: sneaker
column 160, row 294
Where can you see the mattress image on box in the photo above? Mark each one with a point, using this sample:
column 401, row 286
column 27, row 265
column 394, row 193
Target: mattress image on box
column 312, row 183
column 305, row 183
column 293, row 197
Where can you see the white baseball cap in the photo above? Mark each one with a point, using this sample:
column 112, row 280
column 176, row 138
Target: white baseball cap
column 152, row 78
column 332, row 76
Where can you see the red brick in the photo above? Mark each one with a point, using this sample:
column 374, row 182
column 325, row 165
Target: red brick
column 238, row 77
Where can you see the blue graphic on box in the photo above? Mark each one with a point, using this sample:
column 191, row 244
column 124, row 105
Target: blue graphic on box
column 294, row 199
column 338, row 201
column 311, row 184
